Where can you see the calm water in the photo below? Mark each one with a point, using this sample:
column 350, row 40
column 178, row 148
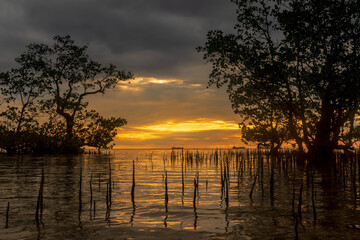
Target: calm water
column 90, row 197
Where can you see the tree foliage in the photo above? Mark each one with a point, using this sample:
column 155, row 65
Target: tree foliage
column 300, row 58
column 46, row 107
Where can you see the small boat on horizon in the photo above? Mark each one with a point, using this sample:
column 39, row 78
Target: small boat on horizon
column 234, row 147
column 173, row 148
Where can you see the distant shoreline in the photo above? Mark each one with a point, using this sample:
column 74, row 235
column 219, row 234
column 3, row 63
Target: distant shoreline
column 191, row 148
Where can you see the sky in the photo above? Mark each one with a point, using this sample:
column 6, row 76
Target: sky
column 167, row 104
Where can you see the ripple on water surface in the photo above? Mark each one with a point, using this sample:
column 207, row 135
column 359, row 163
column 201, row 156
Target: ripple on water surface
column 210, row 194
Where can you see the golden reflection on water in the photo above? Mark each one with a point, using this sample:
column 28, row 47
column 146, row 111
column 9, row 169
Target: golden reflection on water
column 220, row 204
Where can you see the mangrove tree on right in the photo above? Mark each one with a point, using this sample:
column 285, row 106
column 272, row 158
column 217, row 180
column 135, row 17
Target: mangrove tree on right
column 292, row 67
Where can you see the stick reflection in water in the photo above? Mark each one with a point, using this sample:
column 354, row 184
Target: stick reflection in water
column 253, row 186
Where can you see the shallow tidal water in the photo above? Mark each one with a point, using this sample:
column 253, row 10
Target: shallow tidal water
column 200, row 194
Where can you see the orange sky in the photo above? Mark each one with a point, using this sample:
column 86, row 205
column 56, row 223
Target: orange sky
column 197, row 133
column 163, row 113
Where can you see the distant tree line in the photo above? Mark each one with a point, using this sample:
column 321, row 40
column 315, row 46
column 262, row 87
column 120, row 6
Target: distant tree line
column 292, row 71
column 44, row 107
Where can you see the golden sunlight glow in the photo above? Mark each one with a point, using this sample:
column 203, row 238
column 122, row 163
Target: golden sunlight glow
column 136, row 135
column 161, row 81
column 236, row 136
column 139, row 83
column 143, row 81
column 172, row 129
column 131, row 88
column 202, row 124
column 185, row 139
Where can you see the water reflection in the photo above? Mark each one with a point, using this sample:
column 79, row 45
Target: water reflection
column 224, row 193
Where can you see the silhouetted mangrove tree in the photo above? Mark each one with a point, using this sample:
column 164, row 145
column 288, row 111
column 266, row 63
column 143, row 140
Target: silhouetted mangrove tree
column 292, row 71
column 44, row 100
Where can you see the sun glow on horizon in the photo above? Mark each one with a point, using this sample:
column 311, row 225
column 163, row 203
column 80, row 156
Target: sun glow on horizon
column 174, row 129
column 136, row 135
column 202, row 124
column 188, row 131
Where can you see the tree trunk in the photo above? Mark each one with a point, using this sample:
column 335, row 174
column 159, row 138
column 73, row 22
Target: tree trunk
column 323, row 146
column 294, row 133
column 69, row 128
column 299, row 143
column 70, row 145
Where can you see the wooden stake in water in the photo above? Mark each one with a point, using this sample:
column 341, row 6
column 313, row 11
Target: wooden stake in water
column 91, row 192
column 94, row 208
column 107, row 195
column 166, row 192
column 196, row 189
column 133, row 184
column 7, row 215
column 253, row 185
column 196, row 186
column 221, row 179
column 227, row 183
column 110, row 189
column 108, row 201
column 182, row 178
column 166, row 200
column 39, row 205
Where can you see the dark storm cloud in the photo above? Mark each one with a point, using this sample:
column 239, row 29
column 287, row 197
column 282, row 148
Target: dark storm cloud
column 155, row 39
column 150, row 37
